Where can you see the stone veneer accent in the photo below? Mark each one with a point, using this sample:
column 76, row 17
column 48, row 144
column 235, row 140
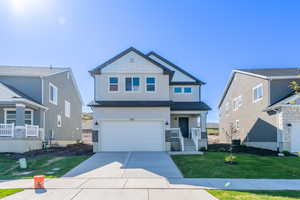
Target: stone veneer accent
column 287, row 115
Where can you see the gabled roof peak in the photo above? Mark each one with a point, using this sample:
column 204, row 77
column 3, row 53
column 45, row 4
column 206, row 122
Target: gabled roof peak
column 131, row 49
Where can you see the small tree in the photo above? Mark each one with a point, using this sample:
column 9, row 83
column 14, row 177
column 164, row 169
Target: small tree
column 295, row 87
column 230, row 136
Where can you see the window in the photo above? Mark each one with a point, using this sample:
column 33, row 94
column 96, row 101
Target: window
column 177, row 90
column 28, row 117
column 10, row 116
column 68, row 75
column 187, row 90
column 59, row 121
column 113, row 84
column 237, row 102
column 237, row 124
column 132, row 84
column 67, row 109
column 52, row 94
column 257, row 93
column 150, row 84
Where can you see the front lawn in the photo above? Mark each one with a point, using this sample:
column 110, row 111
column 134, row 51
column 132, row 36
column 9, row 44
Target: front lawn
column 255, row 195
column 7, row 192
column 50, row 166
column 211, row 165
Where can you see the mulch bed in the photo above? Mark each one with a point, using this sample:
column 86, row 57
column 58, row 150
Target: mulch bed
column 70, row 150
column 241, row 149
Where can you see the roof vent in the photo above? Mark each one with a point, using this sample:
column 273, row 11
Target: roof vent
column 131, row 60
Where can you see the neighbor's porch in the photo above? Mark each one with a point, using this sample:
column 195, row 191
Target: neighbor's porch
column 21, row 121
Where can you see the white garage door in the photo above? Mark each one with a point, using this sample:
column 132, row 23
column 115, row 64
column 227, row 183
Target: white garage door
column 131, row 136
column 295, row 137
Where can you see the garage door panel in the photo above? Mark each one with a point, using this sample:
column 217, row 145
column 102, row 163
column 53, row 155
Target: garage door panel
column 132, row 136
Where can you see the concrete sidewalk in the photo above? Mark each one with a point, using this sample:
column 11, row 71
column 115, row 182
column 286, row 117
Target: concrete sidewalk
column 158, row 183
column 111, row 194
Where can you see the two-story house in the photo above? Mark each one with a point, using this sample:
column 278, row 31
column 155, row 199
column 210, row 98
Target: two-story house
column 138, row 98
column 261, row 109
column 38, row 104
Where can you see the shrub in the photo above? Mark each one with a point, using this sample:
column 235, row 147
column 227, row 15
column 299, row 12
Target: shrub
column 230, row 159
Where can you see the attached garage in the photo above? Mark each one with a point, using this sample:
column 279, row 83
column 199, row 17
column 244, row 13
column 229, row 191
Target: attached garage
column 131, row 135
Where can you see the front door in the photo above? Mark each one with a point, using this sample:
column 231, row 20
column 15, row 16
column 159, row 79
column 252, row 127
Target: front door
column 184, row 126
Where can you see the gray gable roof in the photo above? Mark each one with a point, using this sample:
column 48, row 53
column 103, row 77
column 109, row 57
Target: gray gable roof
column 176, row 67
column 98, row 68
column 21, row 94
column 29, row 71
column 183, row 106
column 264, row 73
column 271, row 72
column 175, row 106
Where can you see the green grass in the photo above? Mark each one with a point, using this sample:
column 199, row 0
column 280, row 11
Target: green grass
column 212, row 131
column 211, row 165
column 7, row 192
column 9, row 168
column 255, row 195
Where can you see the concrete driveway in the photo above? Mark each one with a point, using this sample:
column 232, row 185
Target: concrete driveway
column 127, row 165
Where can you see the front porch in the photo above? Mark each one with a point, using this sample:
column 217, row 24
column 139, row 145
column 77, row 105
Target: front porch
column 187, row 132
column 21, row 127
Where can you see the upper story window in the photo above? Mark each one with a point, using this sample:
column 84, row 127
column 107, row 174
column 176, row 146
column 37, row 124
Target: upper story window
column 257, row 93
column 237, row 102
column 177, row 90
column 52, row 94
column 150, row 84
column 67, row 109
column 187, row 90
column 132, row 84
column 113, row 84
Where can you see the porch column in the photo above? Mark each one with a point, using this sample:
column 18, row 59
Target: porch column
column 203, row 118
column 20, row 115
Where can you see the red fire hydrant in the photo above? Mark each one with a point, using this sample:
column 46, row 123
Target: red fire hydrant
column 39, row 181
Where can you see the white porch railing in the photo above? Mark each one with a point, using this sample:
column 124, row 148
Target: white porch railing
column 31, row 130
column 196, row 136
column 179, row 136
column 7, row 130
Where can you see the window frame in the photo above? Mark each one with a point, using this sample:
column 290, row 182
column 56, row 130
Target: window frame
column 118, row 84
column 132, row 77
column 237, row 124
column 187, row 93
column 67, row 114
column 14, row 109
column 237, row 103
column 155, row 84
column 54, row 101
column 177, row 92
column 253, row 93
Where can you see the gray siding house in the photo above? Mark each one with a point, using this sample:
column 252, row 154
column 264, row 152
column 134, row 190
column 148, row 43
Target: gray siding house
column 262, row 109
column 38, row 104
column 146, row 103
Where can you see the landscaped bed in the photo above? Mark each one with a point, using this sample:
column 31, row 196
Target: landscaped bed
column 211, row 165
column 52, row 162
column 255, row 195
column 7, row 192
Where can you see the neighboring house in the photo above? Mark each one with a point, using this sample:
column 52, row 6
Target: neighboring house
column 138, row 98
column 261, row 107
column 38, row 104
column 87, row 128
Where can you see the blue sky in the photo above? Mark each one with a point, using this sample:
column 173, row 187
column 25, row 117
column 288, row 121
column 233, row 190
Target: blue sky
column 207, row 38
